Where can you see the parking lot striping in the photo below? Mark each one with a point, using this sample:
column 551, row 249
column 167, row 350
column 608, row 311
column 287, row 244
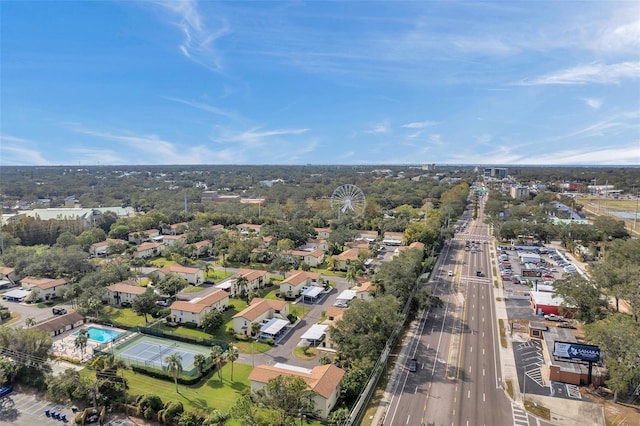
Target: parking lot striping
column 573, row 391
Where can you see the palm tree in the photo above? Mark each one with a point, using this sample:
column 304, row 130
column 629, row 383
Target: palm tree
column 81, row 341
column 232, row 356
column 200, row 361
column 241, row 284
column 255, row 328
column 174, row 366
column 217, row 355
column 30, row 321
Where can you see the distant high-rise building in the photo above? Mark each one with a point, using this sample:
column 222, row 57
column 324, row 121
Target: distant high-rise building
column 495, row 172
column 429, row 166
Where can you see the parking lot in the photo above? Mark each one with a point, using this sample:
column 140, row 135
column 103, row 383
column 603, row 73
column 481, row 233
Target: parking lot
column 27, row 409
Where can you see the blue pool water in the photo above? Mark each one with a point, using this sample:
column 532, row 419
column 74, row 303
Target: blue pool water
column 101, row 335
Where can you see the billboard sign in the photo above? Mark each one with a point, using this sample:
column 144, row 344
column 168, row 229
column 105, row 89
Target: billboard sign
column 576, row 351
column 531, row 273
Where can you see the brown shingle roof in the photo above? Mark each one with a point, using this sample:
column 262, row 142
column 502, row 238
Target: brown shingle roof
column 300, row 277
column 129, row 286
column 351, row 254
column 323, row 379
column 43, row 283
column 148, row 246
column 58, row 323
column 179, row 269
column 4, row 270
column 199, row 305
column 252, row 274
column 258, row 307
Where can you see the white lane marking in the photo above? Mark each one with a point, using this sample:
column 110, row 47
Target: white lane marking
column 471, row 348
column 483, row 334
column 469, row 394
column 483, row 397
column 483, row 371
column 408, row 417
column 482, row 351
column 416, row 391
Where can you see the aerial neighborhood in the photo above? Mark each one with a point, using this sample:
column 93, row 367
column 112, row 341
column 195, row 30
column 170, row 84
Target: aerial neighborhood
column 298, row 302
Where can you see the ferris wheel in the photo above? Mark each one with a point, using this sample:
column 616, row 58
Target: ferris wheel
column 348, row 199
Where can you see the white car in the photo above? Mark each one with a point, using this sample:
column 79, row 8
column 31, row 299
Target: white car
column 450, row 273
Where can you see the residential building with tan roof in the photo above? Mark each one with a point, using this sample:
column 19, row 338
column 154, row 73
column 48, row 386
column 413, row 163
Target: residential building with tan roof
column 169, row 240
column 259, row 310
column 295, row 283
column 322, row 380
column 139, row 237
column 323, row 233
column 312, row 258
column 148, row 249
column 45, row 288
column 393, row 238
column 175, row 229
column 366, row 235
column 249, row 228
column 202, row 247
column 124, row 291
column 256, row 279
column 194, row 310
column 332, row 316
column 342, row 260
column 100, row 248
column 364, row 290
column 194, row 276
column 8, row 274
column 59, row 324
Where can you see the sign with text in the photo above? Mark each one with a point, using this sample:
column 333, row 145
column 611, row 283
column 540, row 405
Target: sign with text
column 531, row 273
column 576, row 351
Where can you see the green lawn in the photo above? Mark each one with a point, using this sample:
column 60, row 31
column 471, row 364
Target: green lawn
column 161, row 262
column 329, row 273
column 193, row 289
column 123, row 316
column 194, row 333
column 217, row 276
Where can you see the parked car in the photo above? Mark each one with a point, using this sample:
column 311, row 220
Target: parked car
column 58, row 311
column 5, row 390
column 554, row 317
column 125, row 304
column 413, row 365
column 450, row 273
column 548, row 277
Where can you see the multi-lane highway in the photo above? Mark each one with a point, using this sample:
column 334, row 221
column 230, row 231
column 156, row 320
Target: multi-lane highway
column 458, row 380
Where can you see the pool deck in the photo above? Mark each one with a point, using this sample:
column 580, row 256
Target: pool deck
column 64, row 344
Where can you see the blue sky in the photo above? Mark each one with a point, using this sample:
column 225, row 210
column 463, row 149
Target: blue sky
column 345, row 82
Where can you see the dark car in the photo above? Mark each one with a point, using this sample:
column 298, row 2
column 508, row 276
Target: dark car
column 5, row 390
column 478, row 273
column 413, row 365
column 58, row 311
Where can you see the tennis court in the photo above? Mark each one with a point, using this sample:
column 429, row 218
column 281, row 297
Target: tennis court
column 151, row 351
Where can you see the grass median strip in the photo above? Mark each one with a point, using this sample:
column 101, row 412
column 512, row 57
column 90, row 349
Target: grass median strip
column 503, row 335
column 537, row 409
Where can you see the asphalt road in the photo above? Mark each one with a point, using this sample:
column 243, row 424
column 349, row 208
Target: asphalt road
column 458, row 380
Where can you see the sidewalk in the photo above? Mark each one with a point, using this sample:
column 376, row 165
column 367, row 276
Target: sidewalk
column 564, row 412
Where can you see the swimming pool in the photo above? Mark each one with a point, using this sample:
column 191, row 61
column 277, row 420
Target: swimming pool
column 101, row 335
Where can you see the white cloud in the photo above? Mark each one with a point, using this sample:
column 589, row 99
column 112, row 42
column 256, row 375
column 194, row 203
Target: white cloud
column 414, row 134
column 204, row 107
column 199, row 39
column 593, row 103
column 436, row 138
column 586, row 74
column 622, row 38
column 419, row 124
column 14, row 152
column 379, row 128
column 255, row 137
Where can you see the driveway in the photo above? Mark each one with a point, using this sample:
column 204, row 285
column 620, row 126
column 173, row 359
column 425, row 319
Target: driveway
column 283, row 351
column 26, row 311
